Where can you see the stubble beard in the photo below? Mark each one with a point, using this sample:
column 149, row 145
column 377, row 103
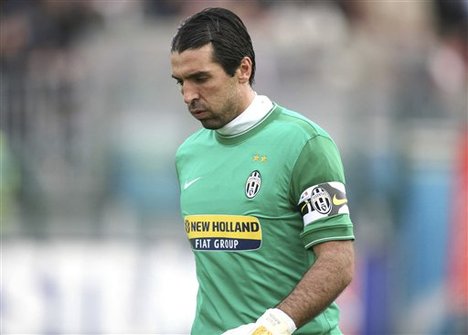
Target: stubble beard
column 219, row 119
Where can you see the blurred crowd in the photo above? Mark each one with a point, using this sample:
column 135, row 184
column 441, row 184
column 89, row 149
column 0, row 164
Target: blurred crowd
column 90, row 120
column 360, row 48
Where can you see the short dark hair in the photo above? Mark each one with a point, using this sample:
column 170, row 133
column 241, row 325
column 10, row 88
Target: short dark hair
column 224, row 30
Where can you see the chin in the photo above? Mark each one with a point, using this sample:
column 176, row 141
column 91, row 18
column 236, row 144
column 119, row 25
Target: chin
column 211, row 125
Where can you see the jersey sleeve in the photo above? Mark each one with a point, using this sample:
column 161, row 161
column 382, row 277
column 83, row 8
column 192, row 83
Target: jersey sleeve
column 318, row 190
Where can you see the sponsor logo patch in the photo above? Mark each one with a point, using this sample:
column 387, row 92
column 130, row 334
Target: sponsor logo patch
column 223, row 232
column 323, row 200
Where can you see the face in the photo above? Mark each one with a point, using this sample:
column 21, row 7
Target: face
column 212, row 96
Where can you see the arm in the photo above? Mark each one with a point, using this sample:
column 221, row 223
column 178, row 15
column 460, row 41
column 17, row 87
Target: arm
column 322, row 283
column 318, row 288
column 333, row 268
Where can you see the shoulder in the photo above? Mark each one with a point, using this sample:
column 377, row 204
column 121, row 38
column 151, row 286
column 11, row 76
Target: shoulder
column 198, row 136
column 197, row 141
column 298, row 125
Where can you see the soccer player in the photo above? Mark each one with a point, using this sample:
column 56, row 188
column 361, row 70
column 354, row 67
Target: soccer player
column 262, row 194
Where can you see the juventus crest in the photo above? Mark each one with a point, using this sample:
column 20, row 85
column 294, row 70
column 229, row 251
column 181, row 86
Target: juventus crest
column 252, row 186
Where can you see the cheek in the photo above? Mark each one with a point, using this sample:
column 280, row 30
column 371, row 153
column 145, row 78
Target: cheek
column 220, row 95
column 214, row 95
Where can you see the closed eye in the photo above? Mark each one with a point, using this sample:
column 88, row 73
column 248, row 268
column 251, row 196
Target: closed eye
column 178, row 81
column 200, row 79
column 197, row 78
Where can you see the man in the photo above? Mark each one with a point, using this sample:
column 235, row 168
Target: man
column 262, row 194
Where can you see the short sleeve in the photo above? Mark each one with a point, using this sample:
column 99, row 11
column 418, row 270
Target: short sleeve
column 318, row 189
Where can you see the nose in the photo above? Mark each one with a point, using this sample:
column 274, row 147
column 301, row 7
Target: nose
column 189, row 92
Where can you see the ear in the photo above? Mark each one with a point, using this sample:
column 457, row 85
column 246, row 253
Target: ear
column 244, row 70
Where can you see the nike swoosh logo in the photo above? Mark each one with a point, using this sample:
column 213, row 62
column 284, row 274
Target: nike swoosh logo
column 339, row 202
column 189, row 183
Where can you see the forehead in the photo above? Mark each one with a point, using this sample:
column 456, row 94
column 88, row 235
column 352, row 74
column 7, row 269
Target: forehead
column 193, row 60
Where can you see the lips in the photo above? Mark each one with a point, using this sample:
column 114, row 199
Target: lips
column 199, row 113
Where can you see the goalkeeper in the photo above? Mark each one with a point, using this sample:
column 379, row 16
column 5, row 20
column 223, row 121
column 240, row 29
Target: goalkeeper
column 262, row 194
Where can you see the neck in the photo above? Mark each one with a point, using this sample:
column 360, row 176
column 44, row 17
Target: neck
column 256, row 111
column 246, row 99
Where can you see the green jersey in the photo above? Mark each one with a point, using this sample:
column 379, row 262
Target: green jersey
column 253, row 205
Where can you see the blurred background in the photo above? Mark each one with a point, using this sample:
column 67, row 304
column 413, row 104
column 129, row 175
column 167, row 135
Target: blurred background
column 91, row 235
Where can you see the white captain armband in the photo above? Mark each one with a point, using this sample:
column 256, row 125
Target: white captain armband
column 322, row 201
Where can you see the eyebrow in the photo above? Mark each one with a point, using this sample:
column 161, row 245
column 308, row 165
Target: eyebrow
column 193, row 75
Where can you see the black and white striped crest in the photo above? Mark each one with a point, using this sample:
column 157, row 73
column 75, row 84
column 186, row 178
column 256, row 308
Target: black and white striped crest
column 252, row 186
column 321, row 200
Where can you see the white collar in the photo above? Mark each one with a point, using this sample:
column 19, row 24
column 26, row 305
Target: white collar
column 259, row 107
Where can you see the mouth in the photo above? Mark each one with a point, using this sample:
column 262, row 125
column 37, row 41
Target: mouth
column 199, row 113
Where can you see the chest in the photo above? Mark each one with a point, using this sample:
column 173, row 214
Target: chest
column 248, row 179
